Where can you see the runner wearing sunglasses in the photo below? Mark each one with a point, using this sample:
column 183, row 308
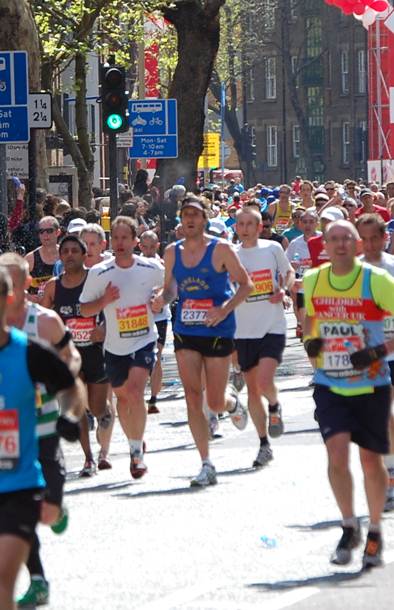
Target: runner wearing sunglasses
column 42, row 260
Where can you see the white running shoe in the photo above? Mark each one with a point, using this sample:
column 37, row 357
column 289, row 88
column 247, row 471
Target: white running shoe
column 239, row 415
column 206, row 476
column 237, row 379
column 263, row 457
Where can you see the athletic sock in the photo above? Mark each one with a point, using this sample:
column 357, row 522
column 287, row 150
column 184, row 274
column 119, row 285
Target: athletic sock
column 263, row 441
column 273, row 408
column 152, row 400
column 207, row 462
column 350, row 522
column 374, row 528
column 135, row 446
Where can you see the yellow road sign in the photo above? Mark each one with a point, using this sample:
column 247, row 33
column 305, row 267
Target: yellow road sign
column 211, row 152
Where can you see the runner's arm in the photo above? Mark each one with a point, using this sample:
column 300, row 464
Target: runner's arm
column 169, row 291
column 382, row 287
column 95, row 297
column 52, row 330
column 48, row 298
column 237, row 271
column 30, row 260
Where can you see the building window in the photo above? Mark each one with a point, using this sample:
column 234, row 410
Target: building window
column 268, row 8
column 361, row 144
column 293, row 9
column 361, row 72
column 346, row 143
column 270, row 78
column 313, row 37
column 272, row 146
column 250, row 85
column 344, row 72
column 296, row 141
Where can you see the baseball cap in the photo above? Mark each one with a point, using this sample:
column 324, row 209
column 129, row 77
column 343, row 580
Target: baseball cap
column 217, row 225
column 76, row 225
column 366, row 192
column 321, row 197
column 332, row 214
column 350, row 201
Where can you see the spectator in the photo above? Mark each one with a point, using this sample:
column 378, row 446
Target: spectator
column 367, row 198
column 140, row 186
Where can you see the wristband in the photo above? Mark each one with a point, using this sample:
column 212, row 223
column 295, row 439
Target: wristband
column 64, row 341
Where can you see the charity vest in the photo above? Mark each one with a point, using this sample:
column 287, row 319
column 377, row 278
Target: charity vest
column 282, row 220
column 199, row 289
column 40, row 274
column 19, row 466
column 47, row 407
column 347, row 320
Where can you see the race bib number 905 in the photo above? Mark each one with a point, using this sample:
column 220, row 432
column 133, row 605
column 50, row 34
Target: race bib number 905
column 132, row 321
column 194, row 311
column 263, row 285
column 9, row 440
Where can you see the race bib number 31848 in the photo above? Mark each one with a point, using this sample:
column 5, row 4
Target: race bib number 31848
column 132, row 321
column 9, row 439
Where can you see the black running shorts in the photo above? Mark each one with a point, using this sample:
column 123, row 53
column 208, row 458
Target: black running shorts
column 300, row 300
column 118, row 366
column 209, row 347
column 161, row 326
column 20, row 513
column 93, row 366
column 391, row 365
column 365, row 417
column 53, row 467
column 251, row 351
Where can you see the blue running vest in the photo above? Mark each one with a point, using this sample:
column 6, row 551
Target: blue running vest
column 19, row 466
column 200, row 288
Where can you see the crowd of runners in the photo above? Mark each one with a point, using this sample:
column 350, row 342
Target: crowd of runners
column 84, row 318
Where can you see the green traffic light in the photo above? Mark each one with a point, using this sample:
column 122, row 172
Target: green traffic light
column 114, row 121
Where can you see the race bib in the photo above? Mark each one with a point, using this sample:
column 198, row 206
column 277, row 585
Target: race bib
column 194, row 311
column 305, row 264
column 132, row 321
column 340, row 340
column 263, row 285
column 81, row 329
column 281, row 225
column 388, row 327
column 9, row 440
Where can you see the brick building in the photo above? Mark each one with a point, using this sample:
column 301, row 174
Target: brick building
column 326, row 53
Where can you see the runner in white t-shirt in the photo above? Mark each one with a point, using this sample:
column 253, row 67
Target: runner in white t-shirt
column 299, row 256
column 122, row 288
column 260, row 335
column 149, row 245
column 372, row 230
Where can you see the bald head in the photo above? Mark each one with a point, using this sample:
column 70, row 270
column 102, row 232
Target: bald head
column 341, row 227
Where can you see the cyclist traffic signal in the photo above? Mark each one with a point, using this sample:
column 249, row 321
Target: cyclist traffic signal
column 114, row 100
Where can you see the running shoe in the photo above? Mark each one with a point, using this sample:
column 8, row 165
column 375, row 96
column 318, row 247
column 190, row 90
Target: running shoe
column 88, row 470
column 237, row 380
column 106, row 420
column 103, row 462
column 299, row 333
column 372, row 557
column 36, row 595
column 206, row 476
column 263, row 457
column 389, row 504
column 137, row 466
column 350, row 539
column 213, row 425
column 152, row 408
column 275, row 423
column 62, row 523
column 239, row 415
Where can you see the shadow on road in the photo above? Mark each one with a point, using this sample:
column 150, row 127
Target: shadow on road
column 98, row 488
column 321, row 525
column 159, row 492
column 306, row 431
column 327, row 579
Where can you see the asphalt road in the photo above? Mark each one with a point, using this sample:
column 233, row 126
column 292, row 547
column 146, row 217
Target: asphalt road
column 157, row 544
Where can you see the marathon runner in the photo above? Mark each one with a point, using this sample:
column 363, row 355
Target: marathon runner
column 21, row 478
column 197, row 268
column 45, row 325
column 42, row 260
column 372, row 230
column 93, row 236
column 346, row 301
column 299, row 256
column 62, row 294
column 281, row 210
column 149, row 246
column 122, row 287
column 260, row 335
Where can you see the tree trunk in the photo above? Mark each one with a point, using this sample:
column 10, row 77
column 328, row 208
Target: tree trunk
column 198, row 30
column 18, row 32
column 85, row 170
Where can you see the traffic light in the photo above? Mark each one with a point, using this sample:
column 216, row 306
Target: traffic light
column 114, row 100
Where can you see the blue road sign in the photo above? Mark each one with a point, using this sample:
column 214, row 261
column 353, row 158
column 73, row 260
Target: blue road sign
column 14, row 97
column 155, row 129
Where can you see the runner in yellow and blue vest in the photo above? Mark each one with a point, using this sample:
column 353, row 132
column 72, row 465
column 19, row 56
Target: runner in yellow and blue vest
column 346, row 301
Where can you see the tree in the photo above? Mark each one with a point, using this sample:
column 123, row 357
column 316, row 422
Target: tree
column 18, row 32
column 197, row 25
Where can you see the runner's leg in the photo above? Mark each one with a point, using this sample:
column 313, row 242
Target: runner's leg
column 190, row 364
column 339, row 473
column 375, row 482
column 13, row 553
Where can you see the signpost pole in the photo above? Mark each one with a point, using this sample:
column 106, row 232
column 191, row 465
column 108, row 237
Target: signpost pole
column 3, row 180
column 32, row 175
column 113, row 175
column 222, row 125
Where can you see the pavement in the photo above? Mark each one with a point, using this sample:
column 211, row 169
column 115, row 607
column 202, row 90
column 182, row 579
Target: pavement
column 257, row 539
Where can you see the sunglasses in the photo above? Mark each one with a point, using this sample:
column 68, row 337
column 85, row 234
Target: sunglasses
column 50, row 230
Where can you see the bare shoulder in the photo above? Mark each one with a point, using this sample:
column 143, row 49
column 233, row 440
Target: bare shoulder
column 50, row 325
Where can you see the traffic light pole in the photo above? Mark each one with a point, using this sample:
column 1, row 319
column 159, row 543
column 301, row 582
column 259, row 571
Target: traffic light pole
column 113, row 175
